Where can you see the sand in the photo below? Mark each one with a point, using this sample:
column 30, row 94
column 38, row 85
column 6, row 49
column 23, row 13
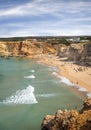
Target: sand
column 77, row 74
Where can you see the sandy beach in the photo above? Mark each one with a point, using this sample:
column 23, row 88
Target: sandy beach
column 77, row 74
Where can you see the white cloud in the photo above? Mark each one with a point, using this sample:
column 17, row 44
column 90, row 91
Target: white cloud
column 45, row 29
column 47, row 7
column 69, row 18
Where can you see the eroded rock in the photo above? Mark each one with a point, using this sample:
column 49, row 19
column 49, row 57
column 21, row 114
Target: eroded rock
column 69, row 119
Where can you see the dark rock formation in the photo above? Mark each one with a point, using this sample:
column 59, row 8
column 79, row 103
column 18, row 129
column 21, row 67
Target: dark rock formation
column 74, row 52
column 81, row 55
column 86, row 55
column 69, row 120
column 87, row 105
column 78, row 53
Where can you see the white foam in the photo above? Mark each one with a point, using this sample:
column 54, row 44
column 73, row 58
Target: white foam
column 29, row 77
column 82, row 89
column 25, row 96
column 55, row 73
column 89, row 95
column 32, row 71
column 63, row 79
column 67, row 81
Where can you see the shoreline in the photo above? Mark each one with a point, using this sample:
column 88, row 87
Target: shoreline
column 79, row 76
column 76, row 77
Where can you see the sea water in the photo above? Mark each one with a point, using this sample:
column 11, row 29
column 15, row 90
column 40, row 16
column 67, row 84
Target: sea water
column 28, row 92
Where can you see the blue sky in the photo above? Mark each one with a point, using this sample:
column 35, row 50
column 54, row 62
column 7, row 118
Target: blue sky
column 45, row 17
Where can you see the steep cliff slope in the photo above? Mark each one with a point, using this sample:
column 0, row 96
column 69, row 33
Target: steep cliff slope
column 78, row 53
column 69, row 120
column 25, row 48
column 86, row 55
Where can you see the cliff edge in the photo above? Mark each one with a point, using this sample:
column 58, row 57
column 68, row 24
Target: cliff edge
column 69, row 119
column 77, row 53
column 25, row 48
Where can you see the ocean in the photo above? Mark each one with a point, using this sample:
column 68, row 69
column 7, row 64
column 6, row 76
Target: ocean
column 29, row 91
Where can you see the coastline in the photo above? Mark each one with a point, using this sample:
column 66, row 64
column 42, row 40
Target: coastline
column 79, row 76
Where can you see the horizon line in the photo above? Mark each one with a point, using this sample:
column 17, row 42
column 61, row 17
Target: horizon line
column 47, row 36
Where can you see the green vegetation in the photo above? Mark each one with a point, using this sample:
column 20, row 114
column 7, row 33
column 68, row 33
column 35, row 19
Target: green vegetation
column 86, row 38
column 53, row 40
column 59, row 41
column 12, row 39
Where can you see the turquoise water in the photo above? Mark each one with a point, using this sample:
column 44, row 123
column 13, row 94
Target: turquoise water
column 28, row 92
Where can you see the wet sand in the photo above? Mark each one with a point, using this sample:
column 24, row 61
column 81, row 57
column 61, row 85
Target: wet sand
column 77, row 74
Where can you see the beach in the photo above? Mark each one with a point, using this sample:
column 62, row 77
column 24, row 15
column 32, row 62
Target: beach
column 79, row 75
column 29, row 91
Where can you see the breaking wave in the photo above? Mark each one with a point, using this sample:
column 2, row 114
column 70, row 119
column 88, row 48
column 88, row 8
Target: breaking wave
column 63, row 79
column 68, row 82
column 25, row 96
column 32, row 71
column 29, row 77
column 82, row 89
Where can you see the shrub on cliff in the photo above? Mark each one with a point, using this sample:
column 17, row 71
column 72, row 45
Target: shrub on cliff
column 60, row 41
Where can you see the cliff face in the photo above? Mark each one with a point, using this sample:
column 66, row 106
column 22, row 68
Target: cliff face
column 78, row 53
column 86, row 55
column 69, row 120
column 75, row 51
column 25, row 48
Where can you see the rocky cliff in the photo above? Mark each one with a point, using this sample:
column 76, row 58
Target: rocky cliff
column 86, row 55
column 25, row 48
column 78, row 53
column 69, row 119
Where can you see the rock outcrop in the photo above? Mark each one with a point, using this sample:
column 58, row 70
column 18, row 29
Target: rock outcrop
column 78, row 53
column 25, row 48
column 86, row 55
column 69, row 119
column 74, row 52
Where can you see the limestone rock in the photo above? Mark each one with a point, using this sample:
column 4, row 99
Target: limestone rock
column 80, row 54
column 69, row 119
column 23, row 48
column 86, row 105
column 86, row 55
column 74, row 52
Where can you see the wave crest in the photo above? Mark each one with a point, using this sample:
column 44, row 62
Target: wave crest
column 29, row 77
column 25, row 96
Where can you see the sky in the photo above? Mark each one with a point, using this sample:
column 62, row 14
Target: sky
column 45, row 18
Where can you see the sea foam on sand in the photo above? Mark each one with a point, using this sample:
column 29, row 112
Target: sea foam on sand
column 68, row 82
column 63, row 79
